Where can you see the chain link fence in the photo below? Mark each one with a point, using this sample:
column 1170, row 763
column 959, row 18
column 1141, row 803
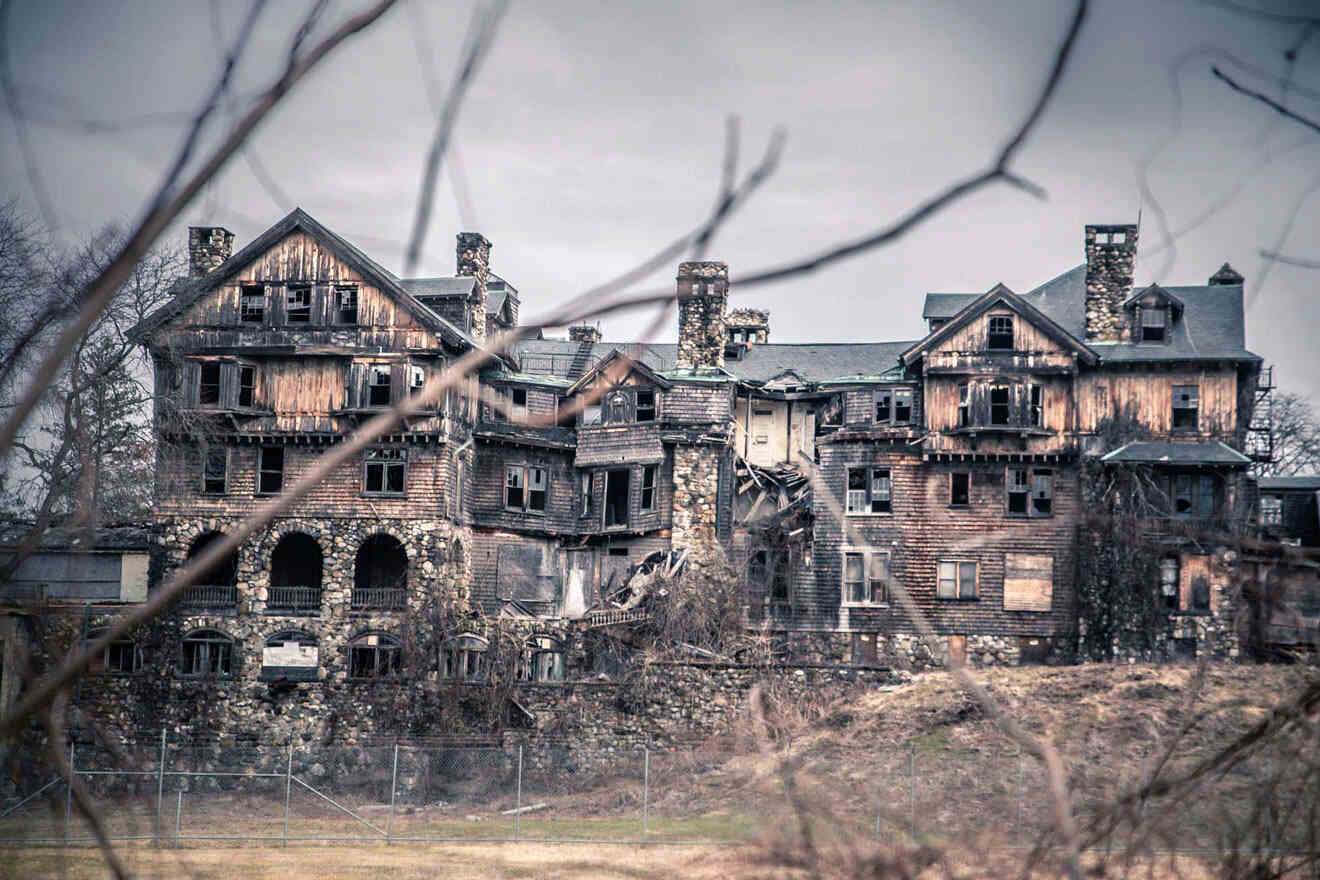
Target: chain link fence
column 175, row 794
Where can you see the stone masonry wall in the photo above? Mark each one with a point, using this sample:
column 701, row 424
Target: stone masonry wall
column 1109, row 268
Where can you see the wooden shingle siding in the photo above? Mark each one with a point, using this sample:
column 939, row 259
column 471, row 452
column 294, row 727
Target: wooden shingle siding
column 698, row 402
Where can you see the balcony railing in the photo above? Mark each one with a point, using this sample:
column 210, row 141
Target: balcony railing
column 385, row 598
column 210, row 596
column 299, row 600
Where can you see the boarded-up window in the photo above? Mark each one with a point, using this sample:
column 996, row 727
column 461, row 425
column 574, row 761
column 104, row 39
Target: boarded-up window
column 1028, row 582
column 522, row 576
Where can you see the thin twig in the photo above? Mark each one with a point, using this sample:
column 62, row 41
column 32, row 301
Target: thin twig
column 1266, row 100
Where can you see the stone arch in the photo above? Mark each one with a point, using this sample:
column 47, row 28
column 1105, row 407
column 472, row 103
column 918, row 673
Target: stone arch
column 380, row 573
column 296, row 567
column 208, row 653
column 223, row 573
column 375, row 654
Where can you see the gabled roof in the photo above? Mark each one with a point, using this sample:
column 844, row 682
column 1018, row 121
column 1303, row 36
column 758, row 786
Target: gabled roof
column 1166, row 452
column 190, row 290
column 943, row 306
column 1156, row 290
column 1001, row 295
column 633, row 366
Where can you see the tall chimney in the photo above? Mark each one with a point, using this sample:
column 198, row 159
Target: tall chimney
column 751, row 326
column 473, row 257
column 208, row 247
column 703, row 290
column 1111, row 253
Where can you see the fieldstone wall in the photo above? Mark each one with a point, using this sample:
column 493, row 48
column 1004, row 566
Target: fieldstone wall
column 1109, row 267
column 703, row 291
column 473, row 260
column 208, row 247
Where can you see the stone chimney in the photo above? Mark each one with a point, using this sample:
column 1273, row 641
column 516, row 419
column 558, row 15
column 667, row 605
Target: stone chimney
column 584, row 333
column 208, row 247
column 1225, row 277
column 751, row 326
column 1111, row 253
column 703, row 290
column 473, row 257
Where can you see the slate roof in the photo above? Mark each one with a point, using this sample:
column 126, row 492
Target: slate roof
column 1301, row 483
column 423, row 287
column 946, row 305
column 1165, row 452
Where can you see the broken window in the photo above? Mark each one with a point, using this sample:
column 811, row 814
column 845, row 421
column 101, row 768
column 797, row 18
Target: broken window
column 518, row 404
column 646, row 405
column 964, row 406
column 380, row 574
column 883, row 406
column 1154, row 323
column 375, row 655
column 1169, row 582
column 120, row 657
column 525, row 487
column 869, row 490
column 536, row 488
column 616, row 407
column 542, row 660
column 215, row 470
column 1030, row 492
column 1000, row 405
column 207, row 653
column 648, row 487
column 384, row 471
column 591, row 414
column 247, row 385
column 463, row 658
column 960, row 489
column 298, row 304
column 291, row 655
column 1037, row 401
column 1000, row 337
column 416, row 379
column 902, row 406
column 957, row 580
column 1271, row 510
column 208, row 384
column 1019, row 491
column 514, row 484
column 584, row 496
column 252, row 304
column 1185, row 406
column 346, row 305
column 616, row 498
column 866, row 577
column 378, row 385
column 270, row 471
column 1042, row 492
column 295, row 574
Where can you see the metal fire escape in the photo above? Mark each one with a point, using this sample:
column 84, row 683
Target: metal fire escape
column 1260, row 428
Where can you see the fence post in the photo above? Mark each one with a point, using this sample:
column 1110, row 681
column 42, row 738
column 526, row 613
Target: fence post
column 912, row 790
column 517, row 806
column 178, row 812
column 68, row 795
column 646, row 789
column 160, row 785
column 394, row 784
column 288, row 788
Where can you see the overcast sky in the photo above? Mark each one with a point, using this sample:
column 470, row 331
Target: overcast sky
column 594, row 135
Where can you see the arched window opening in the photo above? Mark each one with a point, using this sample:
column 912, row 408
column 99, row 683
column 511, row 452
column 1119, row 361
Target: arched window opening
column 120, row 657
column 375, row 656
column 291, row 655
column 542, row 659
column 463, row 658
column 380, row 575
column 217, row 586
column 456, row 553
column 295, row 575
column 781, row 576
column 207, row 653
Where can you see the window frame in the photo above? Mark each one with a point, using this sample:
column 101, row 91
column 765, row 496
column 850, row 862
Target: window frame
column 647, row 503
column 652, row 409
column 876, row 590
column 1180, row 413
column 1035, row 405
column 207, row 452
column 246, row 371
column 362, row 642
column 883, row 398
column 1144, row 328
column 103, row 666
column 248, row 292
column 263, row 469
column 214, row 399
column 1006, row 406
column 584, row 494
column 290, row 309
column 1274, row 515
column 517, row 411
column 225, row 658
column 461, row 660
column 524, row 474
column 386, row 459
column 869, row 499
column 343, row 292
column 374, row 372
column 966, row 501
column 960, row 593
column 1027, row 490
column 994, row 338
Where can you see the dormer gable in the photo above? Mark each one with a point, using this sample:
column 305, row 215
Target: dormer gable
column 1152, row 312
column 617, row 368
column 999, row 322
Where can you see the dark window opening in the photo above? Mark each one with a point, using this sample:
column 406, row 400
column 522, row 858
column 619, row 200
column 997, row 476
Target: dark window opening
column 883, row 407
column 1037, row 415
column 463, row 658
column 224, row 573
column 298, row 304
column 270, row 471
column 902, row 406
column 542, row 659
column 514, row 486
column 781, row 575
column 616, row 498
column 536, row 488
column 120, row 657
column 1042, row 492
column 295, row 574
column 518, row 402
column 380, row 573
column 247, row 385
column 960, row 494
column 215, row 470
column 645, row 405
column 869, row 491
column 375, row 656
column 1154, row 325
column 618, row 551
column 252, row 304
column 384, row 471
column 346, row 305
column 1186, row 403
column 378, row 385
column 525, row 487
column 1018, row 491
column 758, row 568
column 964, row 406
column 584, row 498
column 999, row 405
column 208, row 385
column 207, row 653
column 648, row 487
column 1000, row 337
column 1200, row 594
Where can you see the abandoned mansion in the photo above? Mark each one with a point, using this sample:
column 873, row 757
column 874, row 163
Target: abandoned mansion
column 965, row 468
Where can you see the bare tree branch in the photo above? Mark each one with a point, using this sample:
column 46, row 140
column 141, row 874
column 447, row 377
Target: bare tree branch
column 1277, row 257
column 1265, row 99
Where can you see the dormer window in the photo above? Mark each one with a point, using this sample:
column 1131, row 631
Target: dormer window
column 1000, row 337
column 1154, row 324
column 298, row 304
